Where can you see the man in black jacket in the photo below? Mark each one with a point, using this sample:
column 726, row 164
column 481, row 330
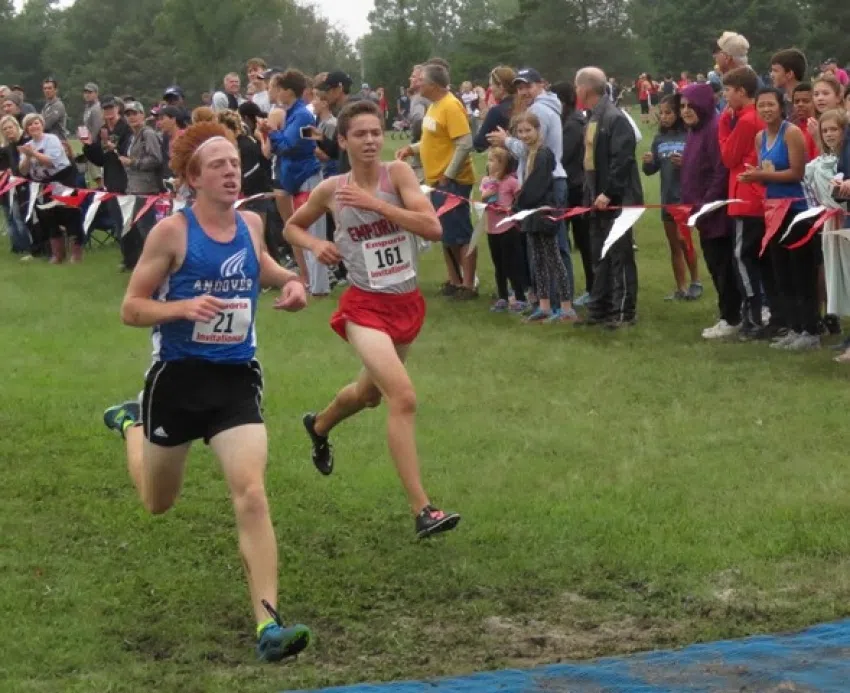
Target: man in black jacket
column 103, row 149
column 612, row 179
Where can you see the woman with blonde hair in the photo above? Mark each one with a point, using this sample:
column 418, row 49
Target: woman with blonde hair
column 43, row 160
column 499, row 116
column 11, row 137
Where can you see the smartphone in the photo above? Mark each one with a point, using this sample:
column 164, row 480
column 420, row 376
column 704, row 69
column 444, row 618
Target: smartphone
column 83, row 132
column 306, row 132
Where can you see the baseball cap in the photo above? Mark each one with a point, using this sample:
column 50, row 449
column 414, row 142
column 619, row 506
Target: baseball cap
column 829, row 61
column 173, row 90
column 108, row 101
column 271, row 72
column 734, row 45
column 528, row 75
column 92, row 87
column 169, row 112
column 337, row 78
column 133, row 107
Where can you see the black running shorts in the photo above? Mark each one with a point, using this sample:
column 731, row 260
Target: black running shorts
column 190, row 400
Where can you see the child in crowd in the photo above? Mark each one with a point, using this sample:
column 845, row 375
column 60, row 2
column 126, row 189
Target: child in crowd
column 704, row 179
column 782, row 163
column 827, row 96
column 820, row 184
column 803, row 108
column 737, row 130
column 500, row 188
column 538, row 190
column 666, row 158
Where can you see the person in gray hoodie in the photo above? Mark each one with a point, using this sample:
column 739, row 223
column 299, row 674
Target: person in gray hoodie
column 547, row 107
column 143, row 164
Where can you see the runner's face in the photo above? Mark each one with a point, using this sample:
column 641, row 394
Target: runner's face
column 365, row 139
column 220, row 176
column 831, row 133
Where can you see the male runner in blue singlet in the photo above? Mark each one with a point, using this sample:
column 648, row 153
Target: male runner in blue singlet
column 196, row 285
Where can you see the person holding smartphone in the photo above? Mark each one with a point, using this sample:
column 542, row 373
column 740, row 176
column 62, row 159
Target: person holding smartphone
column 298, row 169
column 102, row 147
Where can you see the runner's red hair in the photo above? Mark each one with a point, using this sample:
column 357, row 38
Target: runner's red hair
column 184, row 163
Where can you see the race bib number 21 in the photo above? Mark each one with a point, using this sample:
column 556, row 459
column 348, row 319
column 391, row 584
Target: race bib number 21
column 389, row 260
column 230, row 326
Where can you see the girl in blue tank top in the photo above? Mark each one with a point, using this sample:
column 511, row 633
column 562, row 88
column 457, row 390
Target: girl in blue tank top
column 229, row 271
column 782, row 166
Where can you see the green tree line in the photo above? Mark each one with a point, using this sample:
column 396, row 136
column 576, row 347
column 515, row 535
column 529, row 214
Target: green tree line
column 558, row 37
column 139, row 47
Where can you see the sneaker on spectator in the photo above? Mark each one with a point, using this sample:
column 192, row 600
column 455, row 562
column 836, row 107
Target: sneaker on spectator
column 784, row 340
column 722, row 330
column 518, row 306
column 677, row 295
column 695, row 291
column 804, row 342
column 564, row 316
column 582, row 300
column 500, row 306
column 539, row 315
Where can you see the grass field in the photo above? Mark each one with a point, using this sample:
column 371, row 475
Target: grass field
column 620, row 492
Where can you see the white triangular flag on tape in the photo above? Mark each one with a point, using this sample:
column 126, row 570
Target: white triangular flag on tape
column 426, row 189
column 35, row 191
column 92, row 211
column 479, row 211
column 802, row 216
column 708, row 209
column 127, row 203
column 627, row 219
column 519, row 216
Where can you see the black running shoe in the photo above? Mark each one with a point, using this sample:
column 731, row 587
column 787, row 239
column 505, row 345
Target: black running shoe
column 323, row 452
column 432, row 521
column 832, row 323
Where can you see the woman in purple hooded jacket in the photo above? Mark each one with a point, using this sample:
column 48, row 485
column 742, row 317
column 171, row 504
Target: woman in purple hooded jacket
column 703, row 180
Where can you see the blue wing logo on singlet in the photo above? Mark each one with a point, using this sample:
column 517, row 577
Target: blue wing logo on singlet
column 235, row 264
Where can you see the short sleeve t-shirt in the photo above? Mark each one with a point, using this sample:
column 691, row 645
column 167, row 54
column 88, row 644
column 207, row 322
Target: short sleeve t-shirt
column 444, row 122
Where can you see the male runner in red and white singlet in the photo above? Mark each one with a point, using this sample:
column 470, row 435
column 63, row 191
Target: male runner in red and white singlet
column 379, row 210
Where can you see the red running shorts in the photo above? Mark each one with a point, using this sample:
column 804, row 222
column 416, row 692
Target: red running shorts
column 400, row 316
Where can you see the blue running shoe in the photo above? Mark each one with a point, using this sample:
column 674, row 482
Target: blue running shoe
column 276, row 642
column 122, row 416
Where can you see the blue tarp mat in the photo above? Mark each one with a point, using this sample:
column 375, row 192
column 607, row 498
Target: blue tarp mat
column 816, row 660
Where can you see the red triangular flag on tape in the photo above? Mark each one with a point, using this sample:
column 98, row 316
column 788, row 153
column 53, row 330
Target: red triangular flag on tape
column 817, row 226
column 451, row 202
column 74, row 200
column 681, row 214
column 775, row 212
column 571, row 212
column 149, row 202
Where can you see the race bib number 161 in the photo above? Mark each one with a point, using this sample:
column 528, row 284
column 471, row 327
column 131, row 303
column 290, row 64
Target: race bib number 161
column 389, row 260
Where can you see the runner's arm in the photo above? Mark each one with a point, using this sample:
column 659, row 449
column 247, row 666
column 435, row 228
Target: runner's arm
column 158, row 259
column 317, row 205
column 271, row 273
column 418, row 215
column 139, row 309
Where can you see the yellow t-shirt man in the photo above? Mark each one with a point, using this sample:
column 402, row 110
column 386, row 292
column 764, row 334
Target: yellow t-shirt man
column 445, row 121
